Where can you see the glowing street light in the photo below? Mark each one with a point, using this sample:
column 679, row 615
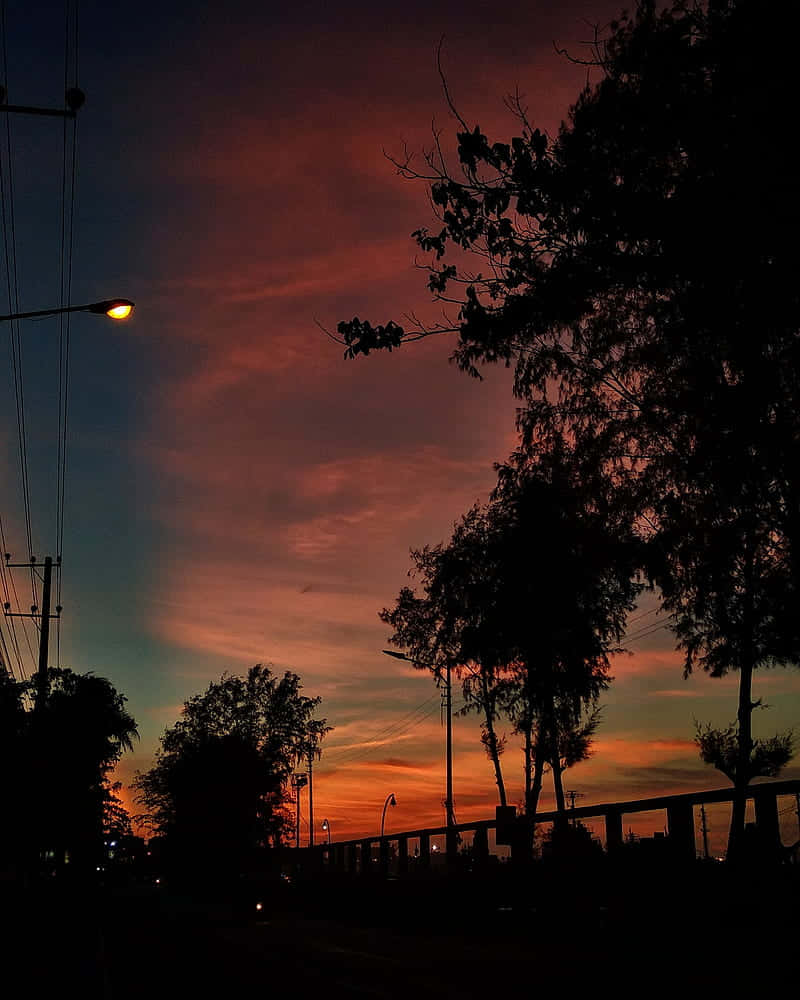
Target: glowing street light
column 113, row 308
column 390, row 801
column 327, row 828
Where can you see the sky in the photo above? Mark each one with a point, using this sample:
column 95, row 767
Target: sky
column 237, row 492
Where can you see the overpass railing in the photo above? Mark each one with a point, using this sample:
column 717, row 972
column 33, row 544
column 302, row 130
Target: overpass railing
column 360, row 855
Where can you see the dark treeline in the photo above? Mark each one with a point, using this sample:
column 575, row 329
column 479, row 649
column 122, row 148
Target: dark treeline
column 59, row 804
column 217, row 795
column 638, row 271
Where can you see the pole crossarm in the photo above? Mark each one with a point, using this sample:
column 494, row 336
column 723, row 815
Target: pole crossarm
column 25, row 109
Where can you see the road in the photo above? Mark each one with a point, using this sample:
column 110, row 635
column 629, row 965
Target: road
column 354, row 943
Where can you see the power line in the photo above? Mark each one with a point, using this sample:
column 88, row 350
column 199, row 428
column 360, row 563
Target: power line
column 393, row 732
column 384, row 735
column 69, row 153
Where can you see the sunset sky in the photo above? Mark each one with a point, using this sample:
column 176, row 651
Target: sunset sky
column 238, row 493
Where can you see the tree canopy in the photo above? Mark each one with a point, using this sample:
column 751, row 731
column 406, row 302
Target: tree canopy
column 527, row 602
column 57, row 764
column 218, row 786
column 638, row 271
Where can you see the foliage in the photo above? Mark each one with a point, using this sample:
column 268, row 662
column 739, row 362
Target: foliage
column 68, row 747
column 527, row 602
column 116, row 820
column 217, row 788
column 638, row 270
column 720, row 749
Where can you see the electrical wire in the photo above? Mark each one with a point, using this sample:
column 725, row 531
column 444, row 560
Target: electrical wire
column 69, row 154
column 379, row 740
column 645, row 632
column 389, row 732
column 12, row 288
column 361, row 753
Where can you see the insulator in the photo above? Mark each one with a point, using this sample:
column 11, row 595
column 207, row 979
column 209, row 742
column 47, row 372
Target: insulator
column 34, row 609
column 75, row 98
column 59, row 609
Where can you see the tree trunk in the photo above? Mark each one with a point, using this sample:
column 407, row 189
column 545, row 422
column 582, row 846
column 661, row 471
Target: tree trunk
column 745, row 737
column 498, row 773
column 493, row 746
column 745, row 719
column 538, row 780
column 558, row 787
column 528, row 762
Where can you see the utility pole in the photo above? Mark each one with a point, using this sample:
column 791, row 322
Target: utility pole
column 44, row 616
column 797, row 807
column 704, row 829
column 44, row 636
column 310, row 800
column 572, row 796
column 452, row 833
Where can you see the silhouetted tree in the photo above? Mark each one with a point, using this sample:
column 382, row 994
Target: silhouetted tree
column 59, row 762
column 721, row 748
column 647, row 318
column 570, row 556
column 725, row 576
column 446, row 626
column 217, row 788
column 527, row 602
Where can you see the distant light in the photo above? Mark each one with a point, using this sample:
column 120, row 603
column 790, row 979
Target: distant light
column 120, row 311
column 259, row 906
column 113, row 843
column 158, row 881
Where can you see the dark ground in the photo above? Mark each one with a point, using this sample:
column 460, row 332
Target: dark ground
column 691, row 933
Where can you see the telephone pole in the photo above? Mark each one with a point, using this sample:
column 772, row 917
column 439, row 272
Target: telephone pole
column 44, row 616
column 310, row 800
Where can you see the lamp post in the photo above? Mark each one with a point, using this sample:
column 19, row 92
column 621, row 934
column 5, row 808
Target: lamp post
column 448, row 702
column 113, row 308
column 299, row 780
column 327, row 828
column 390, row 801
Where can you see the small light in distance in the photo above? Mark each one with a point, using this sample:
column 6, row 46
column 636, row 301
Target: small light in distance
column 259, row 906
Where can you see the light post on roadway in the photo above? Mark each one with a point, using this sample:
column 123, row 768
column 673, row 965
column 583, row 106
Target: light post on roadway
column 327, row 828
column 390, row 801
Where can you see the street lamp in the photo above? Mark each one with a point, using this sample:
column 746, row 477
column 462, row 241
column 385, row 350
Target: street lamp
column 327, row 828
column 114, row 308
column 448, row 703
column 390, row 801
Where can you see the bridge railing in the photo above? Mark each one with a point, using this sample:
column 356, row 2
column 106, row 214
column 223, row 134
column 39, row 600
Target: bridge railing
column 360, row 855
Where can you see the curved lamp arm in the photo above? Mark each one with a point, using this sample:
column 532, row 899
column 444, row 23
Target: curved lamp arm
column 390, row 801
